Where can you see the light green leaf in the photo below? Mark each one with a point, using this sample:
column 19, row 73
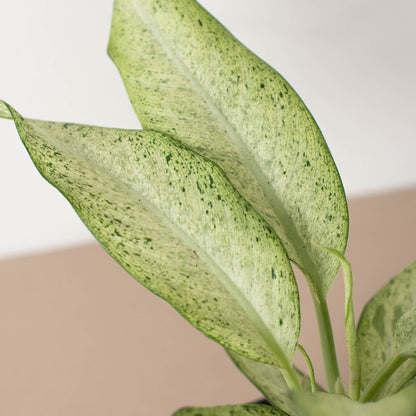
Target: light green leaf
column 233, row 410
column 173, row 220
column 383, row 331
column 396, row 382
column 324, row 404
column 405, row 334
column 270, row 381
column 4, row 111
column 187, row 76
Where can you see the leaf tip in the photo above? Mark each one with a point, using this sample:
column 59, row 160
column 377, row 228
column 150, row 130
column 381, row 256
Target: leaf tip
column 5, row 110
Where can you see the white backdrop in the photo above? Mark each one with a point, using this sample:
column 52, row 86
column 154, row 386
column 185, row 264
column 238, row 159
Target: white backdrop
column 353, row 63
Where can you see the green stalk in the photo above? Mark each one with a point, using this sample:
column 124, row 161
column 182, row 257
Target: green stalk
column 350, row 329
column 327, row 344
column 291, row 380
column 351, row 332
column 310, row 367
column 388, row 368
column 290, row 377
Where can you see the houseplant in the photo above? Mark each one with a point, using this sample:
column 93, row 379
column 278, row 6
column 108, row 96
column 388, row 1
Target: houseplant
column 229, row 182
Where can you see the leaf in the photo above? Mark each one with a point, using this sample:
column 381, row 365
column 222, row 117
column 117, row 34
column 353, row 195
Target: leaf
column 382, row 330
column 405, row 334
column 4, row 111
column 187, row 76
column 233, row 410
column 324, row 404
column 173, row 220
column 399, row 380
column 270, row 381
column 350, row 327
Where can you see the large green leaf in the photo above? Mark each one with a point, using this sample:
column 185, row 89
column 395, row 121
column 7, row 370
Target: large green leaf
column 232, row 410
column 386, row 331
column 324, row 404
column 173, row 220
column 270, row 381
column 187, row 76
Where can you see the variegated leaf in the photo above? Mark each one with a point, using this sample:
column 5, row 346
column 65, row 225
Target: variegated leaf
column 235, row 410
column 187, row 76
column 384, row 331
column 173, row 220
column 405, row 334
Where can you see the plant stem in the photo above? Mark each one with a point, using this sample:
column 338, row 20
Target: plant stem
column 327, row 344
column 388, row 368
column 291, row 379
column 350, row 329
column 351, row 332
column 290, row 376
column 310, row 367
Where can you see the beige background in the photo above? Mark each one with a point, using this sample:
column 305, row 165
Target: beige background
column 80, row 337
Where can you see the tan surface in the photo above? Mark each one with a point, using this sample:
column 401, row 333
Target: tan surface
column 382, row 242
column 80, row 337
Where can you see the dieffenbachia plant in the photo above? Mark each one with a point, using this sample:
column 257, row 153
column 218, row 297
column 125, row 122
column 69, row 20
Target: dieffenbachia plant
column 229, row 183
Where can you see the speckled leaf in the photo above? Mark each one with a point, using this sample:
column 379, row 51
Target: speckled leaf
column 233, row 410
column 187, row 76
column 324, row 404
column 270, row 381
column 173, row 220
column 405, row 334
column 4, row 111
column 377, row 327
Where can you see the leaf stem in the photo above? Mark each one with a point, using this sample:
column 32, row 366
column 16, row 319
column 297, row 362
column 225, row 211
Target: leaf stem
column 290, row 376
column 388, row 368
column 310, row 367
column 291, row 380
column 327, row 344
column 351, row 332
column 350, row 329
